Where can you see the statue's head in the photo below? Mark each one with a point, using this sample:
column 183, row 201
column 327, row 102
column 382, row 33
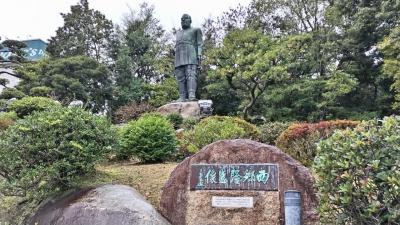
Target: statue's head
column 186, row 20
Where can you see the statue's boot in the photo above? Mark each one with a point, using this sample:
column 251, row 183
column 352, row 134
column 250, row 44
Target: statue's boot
column 192, row 86
column 192, row 96
column 181, row 99
column 181, row 78
column 182, row 91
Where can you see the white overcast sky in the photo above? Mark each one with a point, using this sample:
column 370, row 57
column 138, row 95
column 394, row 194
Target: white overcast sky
column 31, row 19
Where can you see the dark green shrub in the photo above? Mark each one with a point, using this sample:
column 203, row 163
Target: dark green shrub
column 250, row 130
column 299, row 140
column 41, row 91
column 358, row 174
column 44, row 152
column 189, row 123
column 151, row 138
column 176, row 119
column 9, row 93
column 27, row 105
column 3, row 104
column 270, row 131
column 217, row 128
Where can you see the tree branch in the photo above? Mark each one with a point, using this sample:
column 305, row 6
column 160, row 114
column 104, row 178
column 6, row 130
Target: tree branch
column 307, row 15
column 6, row 72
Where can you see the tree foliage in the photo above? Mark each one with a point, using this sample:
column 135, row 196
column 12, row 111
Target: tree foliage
column 73, row 78
column 280, row 59
column 251, row 62
column 163, row 92
column 144, row 54
column 9, row 93
column 4, row 82
column 390, row 48
column 85, row 32
column 131, row 111
column 328, row 56
column 15, row 48
column 284, row 17
column 356, row 27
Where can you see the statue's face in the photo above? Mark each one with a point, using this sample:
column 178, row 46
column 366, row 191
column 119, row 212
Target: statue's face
column 185, row 22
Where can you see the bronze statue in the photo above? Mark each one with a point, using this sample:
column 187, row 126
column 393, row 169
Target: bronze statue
column 188, row 49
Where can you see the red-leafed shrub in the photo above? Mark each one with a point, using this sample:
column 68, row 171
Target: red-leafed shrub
column 7, row 119
column 299, row 140
column 131, row 111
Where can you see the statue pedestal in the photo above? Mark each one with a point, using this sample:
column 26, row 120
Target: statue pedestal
column 186, row 109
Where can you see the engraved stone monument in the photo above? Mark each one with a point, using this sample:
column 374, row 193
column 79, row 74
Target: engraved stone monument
column 236, row 182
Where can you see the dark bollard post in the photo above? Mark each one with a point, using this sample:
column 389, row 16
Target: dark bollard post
column 293, row 208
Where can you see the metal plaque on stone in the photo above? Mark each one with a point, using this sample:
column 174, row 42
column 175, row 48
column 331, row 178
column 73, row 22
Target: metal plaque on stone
column 234, row 177
column 232, row 202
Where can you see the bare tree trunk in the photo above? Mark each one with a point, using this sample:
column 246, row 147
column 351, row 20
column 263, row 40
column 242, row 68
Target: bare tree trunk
column 253, row 98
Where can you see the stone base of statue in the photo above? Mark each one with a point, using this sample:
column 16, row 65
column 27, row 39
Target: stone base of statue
column 186, row 109
column 197, row 109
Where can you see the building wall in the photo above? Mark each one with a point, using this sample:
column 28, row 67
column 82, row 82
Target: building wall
column 13, row 81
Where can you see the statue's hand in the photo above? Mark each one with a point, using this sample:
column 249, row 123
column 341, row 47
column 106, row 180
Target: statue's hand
column 199, row 62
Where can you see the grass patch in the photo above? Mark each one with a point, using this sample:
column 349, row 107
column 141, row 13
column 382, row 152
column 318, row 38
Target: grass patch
column 148, row 179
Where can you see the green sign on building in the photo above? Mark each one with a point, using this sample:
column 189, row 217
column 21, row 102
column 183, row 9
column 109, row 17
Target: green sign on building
column 35, row 50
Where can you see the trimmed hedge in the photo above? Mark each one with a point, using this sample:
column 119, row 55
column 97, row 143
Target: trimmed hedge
column 189, row 123
column 41, row 91
column 44, row 152
column 358, row 174
column 217, row 128
column 176, row 119
column 9, row 93
column 27, row 105
column 270, row 131
column 299, row 140
column 151, row 138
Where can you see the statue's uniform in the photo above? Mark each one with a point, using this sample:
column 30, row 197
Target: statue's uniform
column 187, row 52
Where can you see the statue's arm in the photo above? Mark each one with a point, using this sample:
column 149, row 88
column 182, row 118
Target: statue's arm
column 199, row 39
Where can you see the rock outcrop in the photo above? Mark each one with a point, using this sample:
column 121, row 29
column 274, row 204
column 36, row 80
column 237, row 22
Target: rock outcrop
column 186, row 109
column 105, row 205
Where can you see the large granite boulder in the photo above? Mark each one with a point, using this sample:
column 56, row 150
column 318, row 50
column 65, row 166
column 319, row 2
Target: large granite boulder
column 186, row 109
column 105, row 205
column 180, row 205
